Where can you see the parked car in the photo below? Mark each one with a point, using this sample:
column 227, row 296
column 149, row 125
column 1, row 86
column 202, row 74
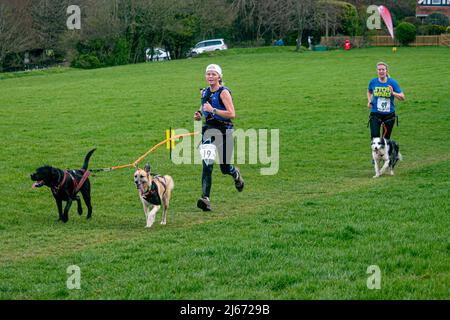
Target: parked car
column 209, row 45
column 157, row 55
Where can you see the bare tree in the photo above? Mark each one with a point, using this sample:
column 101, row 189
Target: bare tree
column 279, row 23
column 331, row 15
column 304, row 15
column 101, row 19
column 49, row 21
column 13, row 36
column 270, row 17
column 256, row 18
column 244, row 11
column 213, row 16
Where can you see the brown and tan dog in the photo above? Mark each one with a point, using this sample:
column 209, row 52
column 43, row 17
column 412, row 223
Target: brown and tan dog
column 153, row 190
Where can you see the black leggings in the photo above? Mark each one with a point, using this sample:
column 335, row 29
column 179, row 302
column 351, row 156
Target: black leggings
column 376, row 119
column 222, row 138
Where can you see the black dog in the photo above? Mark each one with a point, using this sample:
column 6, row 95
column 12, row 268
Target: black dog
column 65, row 185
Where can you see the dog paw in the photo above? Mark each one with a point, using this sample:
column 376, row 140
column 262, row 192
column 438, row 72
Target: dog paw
column 376, row 176
column 163, row 222
column 392, row 173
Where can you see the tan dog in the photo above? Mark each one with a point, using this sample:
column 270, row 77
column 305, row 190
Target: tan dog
column 153, row 190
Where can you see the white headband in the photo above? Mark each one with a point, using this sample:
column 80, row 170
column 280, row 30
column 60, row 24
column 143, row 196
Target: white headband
column 214, row 68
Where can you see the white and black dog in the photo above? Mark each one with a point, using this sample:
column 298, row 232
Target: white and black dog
column 386, row 150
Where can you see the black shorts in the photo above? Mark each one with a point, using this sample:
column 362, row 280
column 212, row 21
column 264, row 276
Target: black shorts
column 376, row 119
column 222, row 137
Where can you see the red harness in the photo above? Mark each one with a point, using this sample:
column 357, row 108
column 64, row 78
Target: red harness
column 76, row 185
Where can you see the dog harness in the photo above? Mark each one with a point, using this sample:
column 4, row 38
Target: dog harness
column 76, row 185
column 152, row 194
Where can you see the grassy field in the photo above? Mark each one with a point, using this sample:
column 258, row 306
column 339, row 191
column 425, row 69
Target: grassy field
column 309, row 232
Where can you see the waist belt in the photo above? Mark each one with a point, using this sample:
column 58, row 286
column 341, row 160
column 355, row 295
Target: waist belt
column 218, row 123
column 393, row 118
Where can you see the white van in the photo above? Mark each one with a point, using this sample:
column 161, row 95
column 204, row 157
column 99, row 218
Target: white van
column 209, row 45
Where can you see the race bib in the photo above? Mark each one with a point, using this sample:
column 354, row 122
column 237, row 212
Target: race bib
column 208, row 153
column 383, row 104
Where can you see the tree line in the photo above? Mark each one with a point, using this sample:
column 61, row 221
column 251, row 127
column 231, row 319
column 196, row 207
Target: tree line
column 115, row 32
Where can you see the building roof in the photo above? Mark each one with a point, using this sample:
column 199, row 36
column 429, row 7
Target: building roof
column 427, row 7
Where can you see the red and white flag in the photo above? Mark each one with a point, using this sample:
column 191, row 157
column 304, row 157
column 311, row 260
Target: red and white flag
column 386, row 15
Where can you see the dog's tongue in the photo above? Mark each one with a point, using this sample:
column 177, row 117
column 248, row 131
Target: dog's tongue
column 38, row 184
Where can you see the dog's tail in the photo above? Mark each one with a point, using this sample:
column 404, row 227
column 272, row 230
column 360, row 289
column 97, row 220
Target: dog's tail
column 397, row 150
column 86, row 159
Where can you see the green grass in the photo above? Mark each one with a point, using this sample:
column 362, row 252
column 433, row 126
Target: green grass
column 34, row 72
column 309, row 232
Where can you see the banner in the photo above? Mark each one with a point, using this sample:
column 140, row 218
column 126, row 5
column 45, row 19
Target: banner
column 386, row 15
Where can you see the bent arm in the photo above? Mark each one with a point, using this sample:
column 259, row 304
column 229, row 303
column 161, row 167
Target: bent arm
column 397, row 92
column 400, row 96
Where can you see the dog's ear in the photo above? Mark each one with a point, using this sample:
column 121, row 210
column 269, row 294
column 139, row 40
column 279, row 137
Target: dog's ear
column 147, row 168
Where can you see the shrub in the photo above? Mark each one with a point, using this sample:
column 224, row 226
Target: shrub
column 86, row 61
column 436, row 29
column 406, row 33
column 351, row 23
column 437, row 18
column 430, row 30
column 414, row 20
column 448, row 29
column 121, row 53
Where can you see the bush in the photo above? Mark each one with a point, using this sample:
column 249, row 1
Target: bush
column 414, row 20
column 430, row 30
column 406, row 33
column 448, row 29
column 351, row 23
column 437, row 18
column 436, row 30
column 86, row 61
column 121, row 53
column 422, row 30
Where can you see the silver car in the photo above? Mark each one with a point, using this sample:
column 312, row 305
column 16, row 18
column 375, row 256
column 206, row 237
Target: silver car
column 209, row 45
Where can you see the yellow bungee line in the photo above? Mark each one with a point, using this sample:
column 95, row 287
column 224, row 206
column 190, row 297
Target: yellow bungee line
column 136, row 162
